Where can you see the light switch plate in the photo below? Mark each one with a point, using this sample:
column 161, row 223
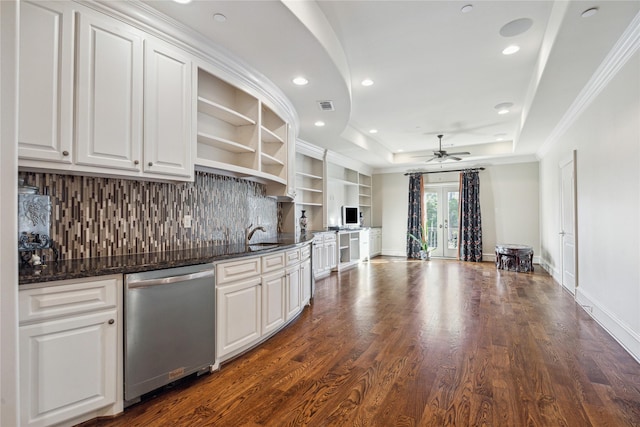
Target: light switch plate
column 186, row 221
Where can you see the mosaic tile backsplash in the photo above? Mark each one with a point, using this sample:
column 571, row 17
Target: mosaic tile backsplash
column 94, row 217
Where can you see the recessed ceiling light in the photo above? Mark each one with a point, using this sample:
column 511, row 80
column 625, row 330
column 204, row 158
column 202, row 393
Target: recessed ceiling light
column 319, row 123
column 510, row 50
column 182, row 1
column 400, row 150
column 503, row 107
column 516, row 27
column 589, row 12
column 466, row 8
column 366, row 82
column 373, row 131
column 300, row 81
column 218, row 17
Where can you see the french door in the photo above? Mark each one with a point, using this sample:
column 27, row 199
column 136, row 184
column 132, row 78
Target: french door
column 441, row 215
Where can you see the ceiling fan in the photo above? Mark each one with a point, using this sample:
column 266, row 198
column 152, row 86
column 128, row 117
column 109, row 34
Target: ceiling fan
column 440, row 155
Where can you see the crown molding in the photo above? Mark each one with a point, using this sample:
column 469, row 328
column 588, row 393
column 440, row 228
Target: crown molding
column 626, row 46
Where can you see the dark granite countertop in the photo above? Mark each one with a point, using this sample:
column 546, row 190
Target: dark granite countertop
column 123, row 264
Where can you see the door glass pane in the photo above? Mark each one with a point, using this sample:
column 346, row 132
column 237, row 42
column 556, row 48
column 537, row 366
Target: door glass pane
column 431, row 204
column 452, row 219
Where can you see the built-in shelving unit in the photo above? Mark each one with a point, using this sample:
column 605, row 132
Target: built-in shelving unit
column 237, row 133
column 310, row 185
column 347, row 185
column 348, row 249
column 273, row 137
column 364, row 198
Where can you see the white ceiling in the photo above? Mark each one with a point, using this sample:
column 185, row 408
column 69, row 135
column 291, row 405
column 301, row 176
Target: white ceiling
column 436, row 70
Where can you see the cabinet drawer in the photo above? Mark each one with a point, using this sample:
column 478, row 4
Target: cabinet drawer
column 70, row 297
column 329, row 237
column 237, row 270
column 273, row 262
column 305, row 252
column 293, row 256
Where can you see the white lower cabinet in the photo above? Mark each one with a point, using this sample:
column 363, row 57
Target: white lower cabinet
column 375, row 242
column 293, row 291
column 238, row 316
column 70, row 340
column 273, row 298
column 305, row 281
column 325, row 248
column 256, row 296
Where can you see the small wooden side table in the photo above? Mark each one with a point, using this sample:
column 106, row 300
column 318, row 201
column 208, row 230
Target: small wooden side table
column 513, row 257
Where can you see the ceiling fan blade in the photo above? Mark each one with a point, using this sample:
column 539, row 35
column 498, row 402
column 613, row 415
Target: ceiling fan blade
column 461, row 153
column 454, row 158
column 428, row 160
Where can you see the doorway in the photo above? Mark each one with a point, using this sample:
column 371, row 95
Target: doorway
column 441, row 219
column 568, row 250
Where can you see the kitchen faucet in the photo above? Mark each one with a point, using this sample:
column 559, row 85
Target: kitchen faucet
column 248, row 233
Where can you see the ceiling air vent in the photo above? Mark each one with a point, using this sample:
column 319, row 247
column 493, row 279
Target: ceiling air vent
column 326, row 105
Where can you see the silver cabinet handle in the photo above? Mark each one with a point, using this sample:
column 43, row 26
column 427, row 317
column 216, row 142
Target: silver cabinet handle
column 145, row 283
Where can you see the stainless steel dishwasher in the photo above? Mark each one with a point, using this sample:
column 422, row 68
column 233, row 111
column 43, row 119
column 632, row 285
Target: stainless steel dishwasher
column 169, row 327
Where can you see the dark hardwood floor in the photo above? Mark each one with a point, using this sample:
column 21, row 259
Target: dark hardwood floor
column 410, row 343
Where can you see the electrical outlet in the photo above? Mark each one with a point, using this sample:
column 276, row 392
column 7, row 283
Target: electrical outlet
column 186, row 221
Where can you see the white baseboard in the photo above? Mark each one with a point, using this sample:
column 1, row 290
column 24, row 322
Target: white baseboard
column 393, row 253
column 553, row 272
column 620, row 331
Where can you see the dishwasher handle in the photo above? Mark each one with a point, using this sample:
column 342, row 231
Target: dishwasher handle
column 145, row 283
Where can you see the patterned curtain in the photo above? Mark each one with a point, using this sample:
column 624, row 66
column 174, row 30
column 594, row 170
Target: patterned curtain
column 470, row 221
column 414, row 218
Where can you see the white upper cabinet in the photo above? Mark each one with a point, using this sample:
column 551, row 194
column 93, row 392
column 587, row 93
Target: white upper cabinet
column 167, row 113
column 106, row 90
column 46, row 81
column 109, row 113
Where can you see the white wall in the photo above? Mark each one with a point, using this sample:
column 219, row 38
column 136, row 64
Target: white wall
column 391, row 206
column 508, row 203
column 509, row 207
column 607, row 139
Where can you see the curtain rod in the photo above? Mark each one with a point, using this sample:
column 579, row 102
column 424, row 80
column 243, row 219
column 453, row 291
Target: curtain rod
column 449, row 170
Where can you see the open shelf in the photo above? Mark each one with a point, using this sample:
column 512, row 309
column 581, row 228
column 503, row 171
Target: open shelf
column 223, row 113
column 308, row 175
column 270, row 160
column 270, row 136
column 223, row 143
column 236, row 133
column 312, row 190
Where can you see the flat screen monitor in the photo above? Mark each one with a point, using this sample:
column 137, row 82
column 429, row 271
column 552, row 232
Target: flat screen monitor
column 350, row 217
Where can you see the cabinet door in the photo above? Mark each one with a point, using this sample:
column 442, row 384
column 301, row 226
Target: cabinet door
column 45, row 93
column 167, row 111
column 68, row 367
column 305, row 282
column 109, row 110
column 318, row 259
column 273, row 299
column 238, row 316
column 331, row 249
column 293, row 292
